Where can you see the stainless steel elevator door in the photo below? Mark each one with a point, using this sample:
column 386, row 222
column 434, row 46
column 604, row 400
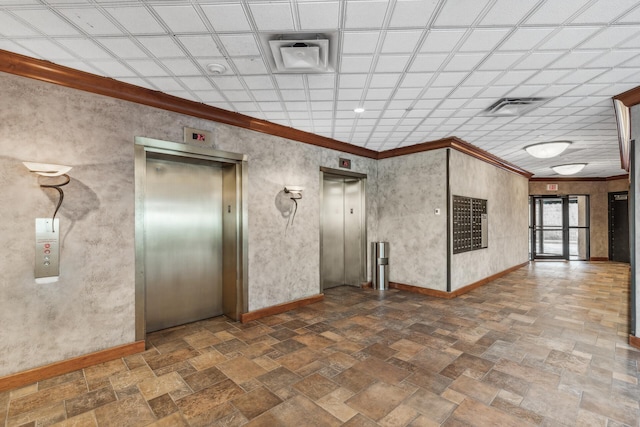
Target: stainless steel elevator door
column 183, row 241
column 342, row 254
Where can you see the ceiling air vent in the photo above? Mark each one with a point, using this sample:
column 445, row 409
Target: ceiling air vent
column 510, row 107
column 301, row 53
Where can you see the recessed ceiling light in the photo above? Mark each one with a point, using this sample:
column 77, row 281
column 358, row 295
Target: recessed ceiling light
column 545, row 150
column 358, row 110
column 216, row 68
column 568, row 169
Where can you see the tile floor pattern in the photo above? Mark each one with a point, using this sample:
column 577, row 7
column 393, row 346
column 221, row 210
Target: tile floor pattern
column 545, row 345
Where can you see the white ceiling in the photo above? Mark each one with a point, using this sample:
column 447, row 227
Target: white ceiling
column 422, row 69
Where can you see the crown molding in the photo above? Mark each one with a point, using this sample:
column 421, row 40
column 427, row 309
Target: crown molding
column 49, row 72
column 579, row 179
column 459, row 145
column 45, row 71
column 630, row 97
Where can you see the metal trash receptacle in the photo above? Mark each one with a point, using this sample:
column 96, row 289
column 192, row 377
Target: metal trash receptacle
column 380, row 265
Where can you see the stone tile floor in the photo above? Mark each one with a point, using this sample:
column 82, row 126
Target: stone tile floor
column 545, row 345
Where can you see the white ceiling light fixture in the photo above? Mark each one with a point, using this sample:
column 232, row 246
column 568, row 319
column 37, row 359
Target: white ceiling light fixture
column 568, row 169
column 546, row 150
column 359, row 110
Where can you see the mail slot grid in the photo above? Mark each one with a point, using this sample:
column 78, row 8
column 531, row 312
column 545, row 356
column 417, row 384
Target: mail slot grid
column 469, row 224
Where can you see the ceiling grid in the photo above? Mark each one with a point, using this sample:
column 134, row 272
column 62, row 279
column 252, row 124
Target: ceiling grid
column 423, row 69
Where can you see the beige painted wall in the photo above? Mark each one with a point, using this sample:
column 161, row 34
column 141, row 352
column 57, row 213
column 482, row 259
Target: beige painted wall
column 92, row 306
column 507, row 202
column 598, row 192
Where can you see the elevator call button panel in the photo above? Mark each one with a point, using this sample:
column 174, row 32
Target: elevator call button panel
column 469, row 224
column 47, row 262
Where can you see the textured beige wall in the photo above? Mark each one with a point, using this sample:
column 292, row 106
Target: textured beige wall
column 410, row 188
column 507, row 202
column 598, row 192
column 92, row 306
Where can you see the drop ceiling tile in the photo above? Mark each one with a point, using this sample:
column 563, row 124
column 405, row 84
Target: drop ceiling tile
column 165, row 84
column 114, row 68
column 460, row 13
column 587, row 89
column 391, row 63
column 436, row 93
column 136, row 82
column 226, row 17
column 568, row 38
column 408, row 93
column 352, row 80
column 547, row 76
column 400, row 105
column 237, row 96
column 181, row 19
column 90, row 20
column 494, row 92
column 272, row 16
column 416, row 80
column 466, row 92
column 525, row 91
column 350, row 94
column 556, row 12
column 610, row 37
column 442, row 40
column 79, row 65
column 240, row 44
column 319, row 15
column 321, row 94
column 270, row 106
column 253, row 65
column 554, row 90
column 11, row 27
column 355, row 64
column 122, row 47
column 198, row 84
column 464, row 62
column 161, row 46
column 538, row 60
column 137, row 20
column 525, row 38
column 46, row 49
column 379, row 94
column 222, row 105
column 508, row 12
column 291, row 81
column 200, row 45
column 293, row 95
column 576, row 59
column 146, row 68
column 424, row 62
column 365, row 14
column 448, row 79
column 321, row 81
column 297, row 106
column 501, row 60
column 13, row 47
column 359, row 42
column 581, row 76
column 613, row 75
column 374, row 107
column 84, row 48
column 604, row 11
column 259, row 82
column 181, row 67
column 401, row 41
column 384, row 80
column 614, row 58
column 48, row 22
column 484, row 39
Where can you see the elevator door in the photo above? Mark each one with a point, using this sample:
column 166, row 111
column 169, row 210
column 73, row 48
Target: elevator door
column 183, row 241
column 342, row 231
column 619, row 249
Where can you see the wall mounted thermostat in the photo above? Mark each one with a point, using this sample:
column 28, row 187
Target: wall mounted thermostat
column 47, row 263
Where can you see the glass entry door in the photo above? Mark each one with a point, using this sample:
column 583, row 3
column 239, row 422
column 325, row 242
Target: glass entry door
column 559, row 227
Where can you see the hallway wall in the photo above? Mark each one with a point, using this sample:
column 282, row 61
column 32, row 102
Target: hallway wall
column 92, row 306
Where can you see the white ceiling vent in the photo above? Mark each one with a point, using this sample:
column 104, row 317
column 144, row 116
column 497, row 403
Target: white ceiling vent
column 510, row 107
column 301, row 53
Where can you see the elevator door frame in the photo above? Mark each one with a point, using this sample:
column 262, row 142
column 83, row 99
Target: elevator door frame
column 362, row 178
column 234, row 201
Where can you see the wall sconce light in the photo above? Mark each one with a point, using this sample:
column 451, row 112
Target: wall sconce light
column 568, row 169
column 47, row 262
column 295, row 191
column 545, row 150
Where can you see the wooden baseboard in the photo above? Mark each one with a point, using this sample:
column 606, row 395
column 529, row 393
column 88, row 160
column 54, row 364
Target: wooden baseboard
column 599, row 258
column 634, row 341
column 449, row 295
column 34, row 375
column 280, row 308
